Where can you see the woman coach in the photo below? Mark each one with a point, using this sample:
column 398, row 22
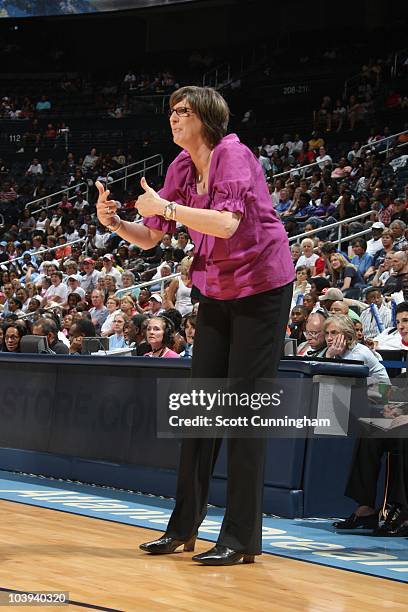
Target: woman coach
column 244, row 272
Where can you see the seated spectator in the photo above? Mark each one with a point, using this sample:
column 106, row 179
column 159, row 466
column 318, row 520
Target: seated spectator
column 316, row 141
column 355, row 112
column 47, row 327
column 143, row 301
column 113, row 306
column 341, row 340
column 57, row 292
column 90, row 161
column 383, row 271
column 345, row 276
column 12, row 334
column 342, row 170
column 398, row 280
column 90, row 276
column 117, row 339
column 401, row 211
column 315, row 344
column 35, row 168
column 343, row 308
column 339, row 114
column 98, row 312
column 397, row 228
column 361, row 260
column 80, row 329
column 301, row 285
column 284, row 201
column 387, row 240
column 155, row 305
column 309, row 302
column 159, row 332
column 378, row 316
column 323, row 159
column 374, row 244
column 346, row 205
column 295, row 252
column 386, row 205
column 297, row 325
column 110, row 269
column 300, row 210
column 395, row 338
column 324, row 209
column 189, row 326
column 135, row 334
column 43, row 105
column 263, row 161
column 129, row 280
column 178, row 293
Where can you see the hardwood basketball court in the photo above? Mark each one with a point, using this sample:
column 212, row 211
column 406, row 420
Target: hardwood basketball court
column 101, row 566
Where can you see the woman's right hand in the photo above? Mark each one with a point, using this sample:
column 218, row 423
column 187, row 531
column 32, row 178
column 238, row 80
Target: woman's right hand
column 105, row 208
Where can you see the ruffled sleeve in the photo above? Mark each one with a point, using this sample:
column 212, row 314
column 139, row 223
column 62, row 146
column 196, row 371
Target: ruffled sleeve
column 231, row 178
column 173, row 189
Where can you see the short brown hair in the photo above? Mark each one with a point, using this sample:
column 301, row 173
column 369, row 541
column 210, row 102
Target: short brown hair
column 211, row 108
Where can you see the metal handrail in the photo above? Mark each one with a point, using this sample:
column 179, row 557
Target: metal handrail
column 397, row 55
column 292, row 170
column 161, row 98
column 338, row 224
column 158, row 164
column 143, row 284
column 387, row 138
column 403, row 144
column 210, row 78
column 42, row 251
column 51, row 195
column 347, row 82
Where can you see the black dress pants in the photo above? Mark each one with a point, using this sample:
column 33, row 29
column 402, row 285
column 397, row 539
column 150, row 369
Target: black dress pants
column 243, row 339
column 365, row 469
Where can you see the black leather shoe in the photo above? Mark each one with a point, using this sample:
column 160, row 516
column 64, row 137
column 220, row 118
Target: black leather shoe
column 395, row 525
column 354, row 523
column 166, row 545
column 221, row 555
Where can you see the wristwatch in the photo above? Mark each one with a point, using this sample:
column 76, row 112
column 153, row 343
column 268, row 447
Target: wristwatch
column 169, row 212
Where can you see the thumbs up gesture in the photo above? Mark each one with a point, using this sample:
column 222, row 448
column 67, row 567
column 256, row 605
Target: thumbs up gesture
column 149, row 203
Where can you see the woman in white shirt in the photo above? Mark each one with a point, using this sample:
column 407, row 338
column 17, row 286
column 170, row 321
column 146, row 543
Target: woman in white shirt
column 178, row 293
column 341, row 340
column 113, row 306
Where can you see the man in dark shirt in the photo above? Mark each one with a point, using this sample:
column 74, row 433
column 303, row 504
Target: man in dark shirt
column 398, row 281
column 47, row 327
column 401, row 211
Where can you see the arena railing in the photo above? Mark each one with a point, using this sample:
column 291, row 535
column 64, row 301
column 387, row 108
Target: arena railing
column 295, row 171
column 142, row 285
column 159, row 101
column 218, row 77
column 339, row 226
column 75, row 188
column 42, row 251
column 136, row 168
column 387, row 139
column 396, row 59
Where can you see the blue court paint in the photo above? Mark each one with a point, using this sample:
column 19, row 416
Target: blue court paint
column 312, row 540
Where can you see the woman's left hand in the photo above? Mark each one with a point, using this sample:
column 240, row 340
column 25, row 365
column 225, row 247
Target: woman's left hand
column 338, row 347
column 149, row 203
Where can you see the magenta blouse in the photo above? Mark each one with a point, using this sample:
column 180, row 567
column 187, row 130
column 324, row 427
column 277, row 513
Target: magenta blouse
column 257, row 257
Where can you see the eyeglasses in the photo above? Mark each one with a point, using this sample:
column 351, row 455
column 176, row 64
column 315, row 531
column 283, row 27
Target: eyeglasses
column 182, row 111
column 312, row 334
